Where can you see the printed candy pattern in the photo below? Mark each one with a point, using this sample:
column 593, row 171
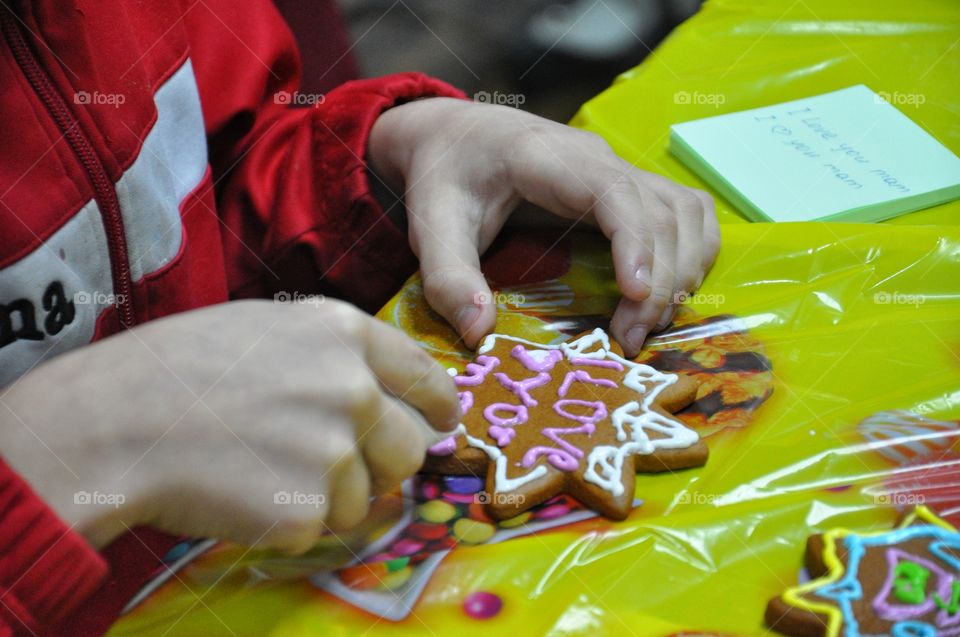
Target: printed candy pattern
column 441, row 514
column 904, row 437
column 904, row 583
column 573, row 418
column 733, row 373
column 935, row 482
column 926, row 453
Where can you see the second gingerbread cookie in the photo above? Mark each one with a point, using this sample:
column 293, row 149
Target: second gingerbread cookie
column 576, row 418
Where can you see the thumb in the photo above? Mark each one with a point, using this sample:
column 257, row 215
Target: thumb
column 444, row 226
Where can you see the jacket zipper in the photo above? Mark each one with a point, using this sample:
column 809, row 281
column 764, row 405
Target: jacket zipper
column 104, row 190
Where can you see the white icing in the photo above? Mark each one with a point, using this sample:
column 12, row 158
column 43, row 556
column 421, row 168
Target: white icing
column 632, row 420
column 578, row 348
column 503, row 483
column 538, row 355
column 491, row 340
column 610, row 459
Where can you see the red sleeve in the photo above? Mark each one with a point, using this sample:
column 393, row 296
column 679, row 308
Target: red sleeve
column 46, row 569
column 292, row 185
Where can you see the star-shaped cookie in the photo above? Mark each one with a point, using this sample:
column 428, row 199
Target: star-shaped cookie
column 575, row 418
column 904, row 583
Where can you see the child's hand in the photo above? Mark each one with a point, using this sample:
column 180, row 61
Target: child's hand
column 250, row 421
column 465, row 166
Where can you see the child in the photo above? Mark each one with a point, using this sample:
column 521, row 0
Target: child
column 153, row 164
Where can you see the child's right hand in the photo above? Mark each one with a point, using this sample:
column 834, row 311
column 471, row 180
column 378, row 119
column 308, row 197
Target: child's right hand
column 257, row 422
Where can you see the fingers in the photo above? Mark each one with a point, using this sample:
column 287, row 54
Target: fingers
column 656, row 227
column 694, row 214
column 391, row 444
column 632, row 258
column 412, row 375
column 395, row 445
column 711, row 232
column 388, row 446
column 640, row 213
column 640, row 265
column 349, row 493
column 686, row 240
column 688, row 217
column 444, row 234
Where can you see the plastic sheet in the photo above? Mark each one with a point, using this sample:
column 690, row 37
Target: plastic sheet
column 737, row 55
column 829, row 362
column 830, row 394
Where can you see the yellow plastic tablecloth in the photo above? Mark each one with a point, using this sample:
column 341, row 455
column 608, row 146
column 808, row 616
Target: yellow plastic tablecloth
column 828, row 355
column 736, row 55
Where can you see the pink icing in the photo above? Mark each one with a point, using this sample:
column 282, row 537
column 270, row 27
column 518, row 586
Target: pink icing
column 466, row 401
column 583, row 377
column 563, row 456
column 550, row 358
column 597, row 363
column 448, row 445
column 567, row 457
column 503, row 435
column 599, row 410
column 898, row 612
column 519, row 411
column 476, row 372
column 501, row 429
column 445, row 447
column 522, row 387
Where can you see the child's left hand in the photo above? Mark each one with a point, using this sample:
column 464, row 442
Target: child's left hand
column 465, row 167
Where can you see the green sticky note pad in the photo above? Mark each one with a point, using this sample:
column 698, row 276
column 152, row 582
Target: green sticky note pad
column 847, row 155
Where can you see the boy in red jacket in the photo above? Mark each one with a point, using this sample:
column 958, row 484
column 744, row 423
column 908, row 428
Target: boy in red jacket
column 151, row 164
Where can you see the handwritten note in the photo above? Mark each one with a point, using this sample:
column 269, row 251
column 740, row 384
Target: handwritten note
column 848, row 155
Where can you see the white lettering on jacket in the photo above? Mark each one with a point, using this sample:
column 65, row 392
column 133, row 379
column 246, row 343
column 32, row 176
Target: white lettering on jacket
column 50, row 299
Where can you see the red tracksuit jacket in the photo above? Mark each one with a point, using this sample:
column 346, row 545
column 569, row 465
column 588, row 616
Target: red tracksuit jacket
column 150, row 163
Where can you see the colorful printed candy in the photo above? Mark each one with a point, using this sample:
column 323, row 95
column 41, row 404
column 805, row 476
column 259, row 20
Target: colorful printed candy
column 451, row 513
column 436, row 511
column 482, row 605
column 904, row 437
column 472, row 531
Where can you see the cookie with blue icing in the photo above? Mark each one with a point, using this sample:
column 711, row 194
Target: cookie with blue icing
column 904, row 583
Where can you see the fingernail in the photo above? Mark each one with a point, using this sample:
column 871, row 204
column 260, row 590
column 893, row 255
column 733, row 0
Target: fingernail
column 642, row 275
column 635, row 337
column 665, row 318
column 465, row 317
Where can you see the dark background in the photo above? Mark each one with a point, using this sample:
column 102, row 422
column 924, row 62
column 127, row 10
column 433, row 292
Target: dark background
column 552, row 55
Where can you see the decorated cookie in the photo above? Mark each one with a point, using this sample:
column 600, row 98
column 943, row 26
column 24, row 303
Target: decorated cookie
column 904, row 583
column 575, row 418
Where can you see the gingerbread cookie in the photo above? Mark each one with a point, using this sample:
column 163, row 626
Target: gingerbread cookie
column 904, row 583
column 575, row 418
